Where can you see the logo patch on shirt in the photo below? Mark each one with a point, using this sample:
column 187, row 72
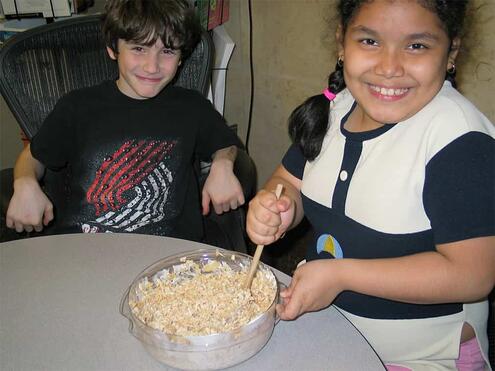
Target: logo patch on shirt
column 328, row 244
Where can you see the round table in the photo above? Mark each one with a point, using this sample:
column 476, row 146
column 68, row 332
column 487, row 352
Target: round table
column 59, row 310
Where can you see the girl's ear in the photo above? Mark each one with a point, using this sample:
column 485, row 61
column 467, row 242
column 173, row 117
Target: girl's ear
column 111, row 53
column 339, row 38
column 455, row 45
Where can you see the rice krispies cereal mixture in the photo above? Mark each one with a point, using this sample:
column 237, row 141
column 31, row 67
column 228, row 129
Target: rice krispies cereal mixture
column 193, row 300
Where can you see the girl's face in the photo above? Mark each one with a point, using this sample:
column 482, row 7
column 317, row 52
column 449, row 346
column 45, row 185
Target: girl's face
column 396, row 54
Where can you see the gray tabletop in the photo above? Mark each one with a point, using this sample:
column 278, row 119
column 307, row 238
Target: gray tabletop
column 59, row 310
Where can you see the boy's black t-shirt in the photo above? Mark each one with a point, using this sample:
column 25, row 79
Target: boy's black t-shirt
column 130, row 163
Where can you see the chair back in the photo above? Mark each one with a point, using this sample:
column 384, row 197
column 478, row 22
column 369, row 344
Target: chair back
column 40, row 65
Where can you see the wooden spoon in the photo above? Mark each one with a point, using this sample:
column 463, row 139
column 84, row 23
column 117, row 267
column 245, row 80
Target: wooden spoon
column 259, row 249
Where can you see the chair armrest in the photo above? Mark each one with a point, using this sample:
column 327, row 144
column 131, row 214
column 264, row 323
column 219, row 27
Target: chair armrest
column 6, row 188
column 6, row 191
column 227, row 230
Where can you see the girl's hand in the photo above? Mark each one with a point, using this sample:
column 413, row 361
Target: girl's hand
column 314, row 286
column 269, row 218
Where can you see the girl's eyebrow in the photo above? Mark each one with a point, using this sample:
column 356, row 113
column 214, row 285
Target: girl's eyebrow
column 364, row 29
column 424, row 36
column 413, row 36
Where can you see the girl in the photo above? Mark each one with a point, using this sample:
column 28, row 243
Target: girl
column 396, row 175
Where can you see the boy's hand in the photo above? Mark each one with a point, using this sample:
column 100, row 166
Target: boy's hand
column 29, row 208
column 222, row 188
column 313, row 287
column 268, row 218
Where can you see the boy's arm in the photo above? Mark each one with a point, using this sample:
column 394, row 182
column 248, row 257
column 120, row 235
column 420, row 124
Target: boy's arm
column 29, row 207
column 222, row 187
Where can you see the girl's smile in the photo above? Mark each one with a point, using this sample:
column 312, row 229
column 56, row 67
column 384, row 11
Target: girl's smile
column 395, row 58
column 388, row 94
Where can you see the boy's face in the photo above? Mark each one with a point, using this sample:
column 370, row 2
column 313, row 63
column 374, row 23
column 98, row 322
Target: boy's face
column 144, row 70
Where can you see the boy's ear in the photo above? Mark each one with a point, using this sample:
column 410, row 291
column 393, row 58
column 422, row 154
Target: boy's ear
column 111, row 53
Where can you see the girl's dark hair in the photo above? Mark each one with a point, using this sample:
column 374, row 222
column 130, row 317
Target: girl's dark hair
column 144, row 21
column 308, row 123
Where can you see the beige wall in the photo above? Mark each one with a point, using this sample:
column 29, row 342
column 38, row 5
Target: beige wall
column 292, row 55
column 293, row 52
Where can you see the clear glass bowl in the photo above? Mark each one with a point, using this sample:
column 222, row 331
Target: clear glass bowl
column 208, row 352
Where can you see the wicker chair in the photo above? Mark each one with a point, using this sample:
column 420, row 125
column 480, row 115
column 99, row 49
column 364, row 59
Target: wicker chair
column 40, row 65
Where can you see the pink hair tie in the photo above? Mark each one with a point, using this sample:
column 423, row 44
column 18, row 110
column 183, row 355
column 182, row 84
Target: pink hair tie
column 330, row 96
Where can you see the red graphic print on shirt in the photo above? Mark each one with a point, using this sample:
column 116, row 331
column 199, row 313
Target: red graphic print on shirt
column 130, row 187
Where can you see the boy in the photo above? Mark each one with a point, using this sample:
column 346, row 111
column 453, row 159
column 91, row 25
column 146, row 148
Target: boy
column 129, row 145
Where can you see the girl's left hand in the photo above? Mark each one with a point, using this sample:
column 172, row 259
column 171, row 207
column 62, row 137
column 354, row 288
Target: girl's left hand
column 314, row 286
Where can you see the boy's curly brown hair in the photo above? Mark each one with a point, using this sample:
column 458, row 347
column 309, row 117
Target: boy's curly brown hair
column 144, row 21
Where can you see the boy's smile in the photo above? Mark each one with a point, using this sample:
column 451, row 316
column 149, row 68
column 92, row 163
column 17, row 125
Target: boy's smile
column 144, row 70
column 395, row 58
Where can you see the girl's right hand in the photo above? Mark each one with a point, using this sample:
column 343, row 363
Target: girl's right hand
column 269, row 218
column 29, row 208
